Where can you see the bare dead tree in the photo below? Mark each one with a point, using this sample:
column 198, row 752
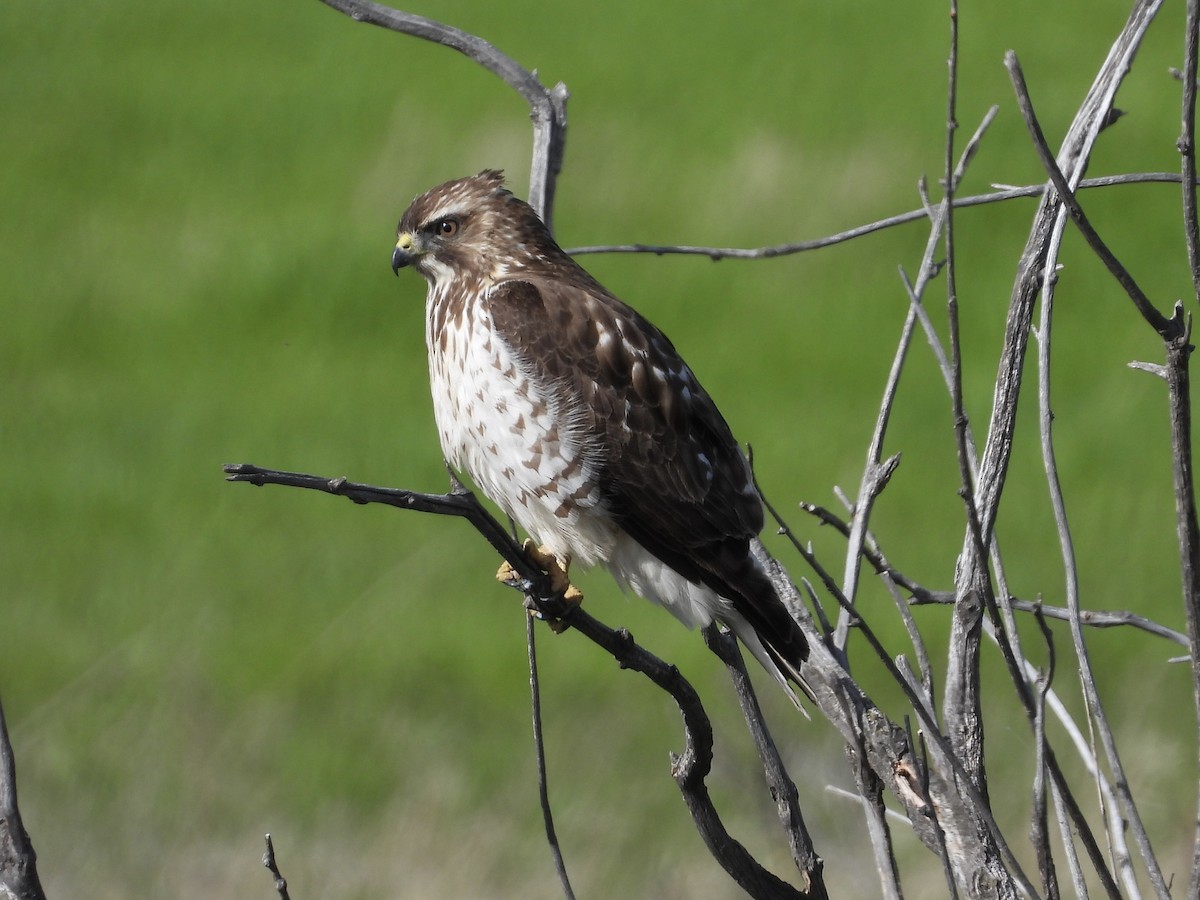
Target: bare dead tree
column 940, row 780
column 934, row 780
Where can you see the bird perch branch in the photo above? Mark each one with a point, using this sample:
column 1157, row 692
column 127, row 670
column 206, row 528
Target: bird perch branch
column 690, row 768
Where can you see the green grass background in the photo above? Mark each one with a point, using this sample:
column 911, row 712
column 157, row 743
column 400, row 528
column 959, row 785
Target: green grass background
column 197, row 204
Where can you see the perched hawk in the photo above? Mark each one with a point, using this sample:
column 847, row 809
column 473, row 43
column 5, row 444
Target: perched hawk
column 580, row 420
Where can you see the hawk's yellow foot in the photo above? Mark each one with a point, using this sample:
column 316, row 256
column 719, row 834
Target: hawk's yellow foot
column 506, row 574
column 560, row 582
column 557, row 569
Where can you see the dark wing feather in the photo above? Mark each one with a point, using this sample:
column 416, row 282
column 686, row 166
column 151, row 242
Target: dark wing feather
column 672, row 474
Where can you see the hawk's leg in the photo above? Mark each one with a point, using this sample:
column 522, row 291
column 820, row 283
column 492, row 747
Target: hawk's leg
column 557, row 569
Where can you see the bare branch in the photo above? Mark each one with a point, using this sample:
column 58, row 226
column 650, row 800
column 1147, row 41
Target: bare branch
column 18, row 861
column 969, row 151
column 548, row 106
column 689, row 769
column 1078, row 881
column 972, row 583
column 539, row 752
column 892, row 816
column 870, row 798
column 1187, row 151
column 268, row 860
column 1186, row 524
column 781, row 786
column 845, row 704
column 1064, row 799
column 923, row 596
column 1179, row 394
column 942, row 850
column 1164, row 326
column 1095, row 708
column 1039, row 834
column 962, row 716
column 918, row 642
column 1097, row 618
column 459, row 502
column 841, row 237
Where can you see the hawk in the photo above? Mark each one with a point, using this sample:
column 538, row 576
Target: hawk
column 576, row 416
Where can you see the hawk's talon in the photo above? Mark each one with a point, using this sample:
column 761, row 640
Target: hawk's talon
column 509, row 576
column 557, row 569
column 560, row 584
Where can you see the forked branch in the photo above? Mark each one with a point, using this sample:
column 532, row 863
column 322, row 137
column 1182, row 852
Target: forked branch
column 547, row 106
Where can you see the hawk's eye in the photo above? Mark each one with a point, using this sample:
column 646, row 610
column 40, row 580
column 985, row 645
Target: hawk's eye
column 445, row 227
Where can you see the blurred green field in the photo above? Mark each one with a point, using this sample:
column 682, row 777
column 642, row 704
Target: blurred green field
column 197, row 204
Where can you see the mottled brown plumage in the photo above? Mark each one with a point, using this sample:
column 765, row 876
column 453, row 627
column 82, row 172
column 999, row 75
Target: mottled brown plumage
column 579, row 418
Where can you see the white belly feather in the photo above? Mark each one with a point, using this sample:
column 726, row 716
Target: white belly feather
column 515, row 441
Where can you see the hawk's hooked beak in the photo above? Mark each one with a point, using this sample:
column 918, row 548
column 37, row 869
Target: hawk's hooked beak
column 405, row 252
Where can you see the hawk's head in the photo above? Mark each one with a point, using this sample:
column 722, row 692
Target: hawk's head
column 472, row 228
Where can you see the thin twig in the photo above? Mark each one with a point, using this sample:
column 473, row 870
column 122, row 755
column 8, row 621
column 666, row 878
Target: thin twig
column 268, row 861
column 962, row 714
column 876, row 473
column 1078, row 881
column 460, row 503
column 539, row 752
column 931, row 337
column 1063, row 795
column 918, row 643
column 1178, row 386
column 943, row 850
column 1186, row 522
column 844, row 794
column 1187, row 152
column 870, row 798
column 1039, row 833
column 819, row 611
column 923, row 596
column 539, row 742
column 1093, row 705
column 691, row 767
column 775, row 250
column 1096, row 618
column 974, row 591
column 1160, row 323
